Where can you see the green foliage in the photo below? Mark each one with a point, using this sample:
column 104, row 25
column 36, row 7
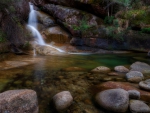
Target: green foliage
column 83, row 26
column 2, row 36
column 113, row 33
column 109, row 19
column 146, row 30
column 116, row 22
column 126, row 3
column 26, row 45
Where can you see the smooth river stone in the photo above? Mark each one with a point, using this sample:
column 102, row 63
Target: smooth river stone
column 115, row 100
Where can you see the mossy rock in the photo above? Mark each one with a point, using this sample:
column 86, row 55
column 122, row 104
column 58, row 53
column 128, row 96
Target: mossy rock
column 79, row 23
column 137, row 17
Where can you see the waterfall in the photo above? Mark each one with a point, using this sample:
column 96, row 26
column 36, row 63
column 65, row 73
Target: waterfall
column 33, row 26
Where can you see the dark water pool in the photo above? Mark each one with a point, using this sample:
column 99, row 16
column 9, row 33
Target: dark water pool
column 48, row 78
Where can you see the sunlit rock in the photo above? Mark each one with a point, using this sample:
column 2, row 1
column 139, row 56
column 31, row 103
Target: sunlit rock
column 47, row 50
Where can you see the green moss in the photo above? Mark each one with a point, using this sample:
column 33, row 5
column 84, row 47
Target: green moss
column 2, row 37
column 137, row 17
column 109, row 19
column 83, row 26
column 146, row 30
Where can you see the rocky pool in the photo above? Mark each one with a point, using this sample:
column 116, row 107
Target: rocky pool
column 48, row 75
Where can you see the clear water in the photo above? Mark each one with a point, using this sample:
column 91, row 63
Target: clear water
column 47, row 78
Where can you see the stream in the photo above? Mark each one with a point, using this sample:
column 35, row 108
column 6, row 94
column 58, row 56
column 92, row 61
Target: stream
column 53, row 74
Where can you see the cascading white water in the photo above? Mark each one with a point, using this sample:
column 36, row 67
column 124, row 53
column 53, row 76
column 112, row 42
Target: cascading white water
column 32, row 16
column 33, row 26
column 36, row 33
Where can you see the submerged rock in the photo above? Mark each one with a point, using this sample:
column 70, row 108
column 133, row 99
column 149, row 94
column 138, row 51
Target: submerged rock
column 137, row 106
column 101, row 69
column 115, row 100
column 18, row 101
column 73, row 69
column 121, row 69
column 145, row 84
column 134, row 76
column 140, row 66
column 62, row 100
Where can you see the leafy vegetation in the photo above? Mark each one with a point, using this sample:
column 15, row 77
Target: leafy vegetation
column 116, row 34
column 83, row 26
column 2, row 36
column 109, row 19
column 146, row 30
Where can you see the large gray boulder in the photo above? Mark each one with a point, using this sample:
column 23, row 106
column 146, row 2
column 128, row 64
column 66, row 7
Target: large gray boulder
column 137, row 106
column 115, row 100
column 18, row 101
column 140, row 66
column 62, row 100
column 134, row 76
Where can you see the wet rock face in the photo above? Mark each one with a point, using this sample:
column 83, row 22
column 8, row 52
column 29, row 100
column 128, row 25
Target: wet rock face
column 45, row 19
column 92, row 6
column 18, row 101
column 62, row 100
column 116, row 100
column 55, row 34
column 46, row 50
column 79, row 23
column 22, row 8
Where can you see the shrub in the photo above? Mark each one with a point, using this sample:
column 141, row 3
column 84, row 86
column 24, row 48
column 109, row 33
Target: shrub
column 109, row 19
column 146, row 30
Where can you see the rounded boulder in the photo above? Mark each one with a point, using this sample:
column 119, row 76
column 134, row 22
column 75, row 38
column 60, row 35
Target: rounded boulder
column 115, row 100
column 62, row 100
